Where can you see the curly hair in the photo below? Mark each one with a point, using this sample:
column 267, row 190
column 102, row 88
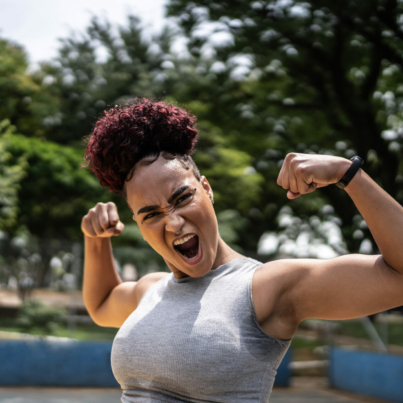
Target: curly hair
column 139, row 130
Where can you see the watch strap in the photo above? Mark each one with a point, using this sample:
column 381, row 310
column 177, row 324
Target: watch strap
column 355, row 166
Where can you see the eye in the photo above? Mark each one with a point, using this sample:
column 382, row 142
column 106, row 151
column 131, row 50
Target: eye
column 150, row 216
column 183, row 198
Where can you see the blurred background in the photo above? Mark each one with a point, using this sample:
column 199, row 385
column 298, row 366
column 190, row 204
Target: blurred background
column 264, row 78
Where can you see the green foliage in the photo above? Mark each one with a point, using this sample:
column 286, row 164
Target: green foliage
column 83, row 87
column 10, row 177
column 311, row 77
column 55, row 192
column 16, row 86
column 34, row 315
column 230, row 223
column 303, row 76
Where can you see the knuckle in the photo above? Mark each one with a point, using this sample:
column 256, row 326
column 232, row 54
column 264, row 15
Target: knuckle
column 294, row 163
column 103, row 224
column 300, row 169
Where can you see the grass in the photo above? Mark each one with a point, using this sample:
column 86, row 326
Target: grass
column 354, row 328
column 300, row 343
column 92, row 332
column 89, row 332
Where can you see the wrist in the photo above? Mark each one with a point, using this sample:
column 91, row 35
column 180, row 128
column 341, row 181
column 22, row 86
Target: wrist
column 355, row 182
column 96, row 243
column 345, row 164
column 355, row 164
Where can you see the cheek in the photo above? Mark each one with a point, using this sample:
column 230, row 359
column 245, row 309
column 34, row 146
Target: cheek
column 154, row 235
column 206, row 216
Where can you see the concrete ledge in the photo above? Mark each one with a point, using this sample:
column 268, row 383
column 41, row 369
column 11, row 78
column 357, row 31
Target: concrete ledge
column 371, row 374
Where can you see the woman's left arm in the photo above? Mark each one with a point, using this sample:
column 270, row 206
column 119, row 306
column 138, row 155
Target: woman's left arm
column 353, row 285
column 383, row 215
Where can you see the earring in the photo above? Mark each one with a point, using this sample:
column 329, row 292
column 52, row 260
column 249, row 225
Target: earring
column 212, row 200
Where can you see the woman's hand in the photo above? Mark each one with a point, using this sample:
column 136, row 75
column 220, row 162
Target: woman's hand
column 102, row 221
column 303, row 173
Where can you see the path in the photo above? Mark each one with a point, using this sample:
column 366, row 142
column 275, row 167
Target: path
column 304, row 390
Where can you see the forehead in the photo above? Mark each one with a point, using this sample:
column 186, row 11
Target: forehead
column 151, row 184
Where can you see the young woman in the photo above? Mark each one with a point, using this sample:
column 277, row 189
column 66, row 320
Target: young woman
column 217, row 327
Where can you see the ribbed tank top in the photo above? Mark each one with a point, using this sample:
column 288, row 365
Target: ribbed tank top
column 198, row 340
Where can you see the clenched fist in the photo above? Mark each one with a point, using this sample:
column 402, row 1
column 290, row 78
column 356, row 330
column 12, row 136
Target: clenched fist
column 303, row 173
column 102, row 221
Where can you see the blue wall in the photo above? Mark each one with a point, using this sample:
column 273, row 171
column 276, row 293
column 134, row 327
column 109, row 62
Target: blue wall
column 55, row 363
column 70, row 363
column 372, row 374
column 283, row 373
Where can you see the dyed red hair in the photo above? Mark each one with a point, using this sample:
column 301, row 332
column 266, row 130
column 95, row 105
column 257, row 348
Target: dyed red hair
column 127, row 134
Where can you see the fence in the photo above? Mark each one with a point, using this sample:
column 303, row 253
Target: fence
column 372, row 374
column 69, row 363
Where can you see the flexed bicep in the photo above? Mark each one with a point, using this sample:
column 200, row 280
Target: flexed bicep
column 346, row 287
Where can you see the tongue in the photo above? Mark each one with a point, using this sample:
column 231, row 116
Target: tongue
column 189, row 248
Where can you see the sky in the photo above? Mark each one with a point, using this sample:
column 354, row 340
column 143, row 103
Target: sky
column 37, row 24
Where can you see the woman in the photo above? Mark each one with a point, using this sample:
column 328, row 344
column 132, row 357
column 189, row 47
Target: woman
column 217, row 327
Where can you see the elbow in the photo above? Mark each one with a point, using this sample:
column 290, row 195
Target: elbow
column 93, row 313
column 100, row 318
column 97, row 318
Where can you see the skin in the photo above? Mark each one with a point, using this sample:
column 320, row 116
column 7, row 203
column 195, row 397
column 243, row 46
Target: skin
column 284, row 292
column 193, row 214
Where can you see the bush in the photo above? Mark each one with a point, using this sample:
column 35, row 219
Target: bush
column 34, row 315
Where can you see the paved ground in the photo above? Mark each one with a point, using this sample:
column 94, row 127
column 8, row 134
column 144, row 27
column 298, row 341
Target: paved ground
column 304, row 390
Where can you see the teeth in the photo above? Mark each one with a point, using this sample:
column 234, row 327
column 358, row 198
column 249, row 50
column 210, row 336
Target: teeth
column 183, row 240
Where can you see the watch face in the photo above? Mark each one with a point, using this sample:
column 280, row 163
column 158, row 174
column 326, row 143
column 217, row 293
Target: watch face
column 341, row 184
column 356, row 157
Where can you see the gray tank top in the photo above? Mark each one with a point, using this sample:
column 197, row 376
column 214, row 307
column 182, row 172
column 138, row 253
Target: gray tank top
column 198, row 340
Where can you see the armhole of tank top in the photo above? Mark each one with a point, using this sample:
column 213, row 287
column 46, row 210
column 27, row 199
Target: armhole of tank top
column 283, row 342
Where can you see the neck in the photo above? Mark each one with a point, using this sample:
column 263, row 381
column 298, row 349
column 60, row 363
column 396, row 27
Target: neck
column 224, row 254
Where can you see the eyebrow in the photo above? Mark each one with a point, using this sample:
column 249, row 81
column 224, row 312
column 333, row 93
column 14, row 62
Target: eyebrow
column 175, row 194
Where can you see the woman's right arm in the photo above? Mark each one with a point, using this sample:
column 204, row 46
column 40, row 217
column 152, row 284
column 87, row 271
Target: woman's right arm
column 108, row 300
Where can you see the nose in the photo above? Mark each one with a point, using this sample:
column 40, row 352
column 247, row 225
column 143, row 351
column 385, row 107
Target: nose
column 174, row 222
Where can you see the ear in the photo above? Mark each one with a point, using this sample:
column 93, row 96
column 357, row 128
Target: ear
column 207, row 187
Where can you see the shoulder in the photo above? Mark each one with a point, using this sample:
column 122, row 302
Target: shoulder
column 276, row 280
column 278, row 274
column 272, row 287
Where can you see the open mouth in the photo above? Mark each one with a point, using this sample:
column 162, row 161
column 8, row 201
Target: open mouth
column 190, row 248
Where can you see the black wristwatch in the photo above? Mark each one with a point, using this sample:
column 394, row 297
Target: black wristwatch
column 355, row 166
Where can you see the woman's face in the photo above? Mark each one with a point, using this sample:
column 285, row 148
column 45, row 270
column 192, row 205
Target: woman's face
column 166, row 198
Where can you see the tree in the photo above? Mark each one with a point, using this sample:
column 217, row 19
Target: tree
column 54, row 191
column 16, row 87
column 10, row 177
column 84, row 86
column 310, row 76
